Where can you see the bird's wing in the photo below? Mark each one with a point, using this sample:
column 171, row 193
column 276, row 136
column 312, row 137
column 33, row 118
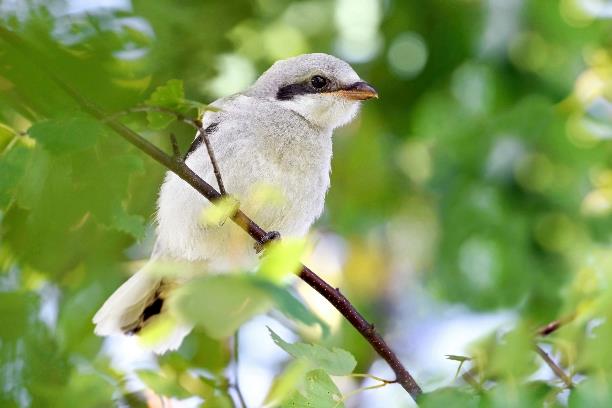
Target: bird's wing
column 180, row 207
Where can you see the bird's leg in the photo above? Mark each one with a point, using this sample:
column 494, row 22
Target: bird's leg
column 270, row 236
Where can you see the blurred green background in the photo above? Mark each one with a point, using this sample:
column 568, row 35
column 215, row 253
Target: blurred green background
column 471, row 203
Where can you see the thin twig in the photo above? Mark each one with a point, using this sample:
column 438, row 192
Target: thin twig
column 339, row 301
column 236, row 355
column 195, row 123
column 373, row 377
column 358, row 390
column 554, row 367
column 211, row 155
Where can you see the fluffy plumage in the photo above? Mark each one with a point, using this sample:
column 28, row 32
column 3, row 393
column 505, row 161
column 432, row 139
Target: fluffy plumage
column 275, row 136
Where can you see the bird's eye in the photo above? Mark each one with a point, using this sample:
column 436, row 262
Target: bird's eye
column 318, row 82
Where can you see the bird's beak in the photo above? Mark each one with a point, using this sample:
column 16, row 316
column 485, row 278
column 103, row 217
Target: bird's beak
column 359, row 91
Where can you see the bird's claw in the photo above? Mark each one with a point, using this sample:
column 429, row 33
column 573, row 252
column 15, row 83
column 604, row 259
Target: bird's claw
column 270, row 236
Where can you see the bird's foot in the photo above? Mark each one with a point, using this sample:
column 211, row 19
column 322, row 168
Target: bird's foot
column 270, row 236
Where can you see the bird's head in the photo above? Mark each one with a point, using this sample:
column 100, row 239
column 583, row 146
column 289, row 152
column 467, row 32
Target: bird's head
column 323, row 89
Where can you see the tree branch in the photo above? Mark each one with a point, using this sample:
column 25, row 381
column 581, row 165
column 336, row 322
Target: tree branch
column 338, row 300
column 195, row 123
column 211, row 155
column 554, row 367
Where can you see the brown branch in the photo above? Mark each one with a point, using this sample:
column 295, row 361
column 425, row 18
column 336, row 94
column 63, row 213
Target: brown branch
column 545, row 331
column 338, row 300
column 211, row 155
column 554, row 367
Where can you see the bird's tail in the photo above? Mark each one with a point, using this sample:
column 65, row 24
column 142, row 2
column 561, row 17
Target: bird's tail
column 136, row 304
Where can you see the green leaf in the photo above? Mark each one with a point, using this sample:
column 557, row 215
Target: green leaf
column 282, row 258
column 221, row 304
column 285, row 383
column 218, row 401
column 593, row 392
column 335, row 361
column 13, row 164
column 291, row 306
column 7, row 134
column 17, row 308
column 128, row 223
column 158, row 330
column 448, row 397
column 170, row 95
column 102, row 189
column 320, row 392
column 162, row 384
column 217, row 214
column 68, row 135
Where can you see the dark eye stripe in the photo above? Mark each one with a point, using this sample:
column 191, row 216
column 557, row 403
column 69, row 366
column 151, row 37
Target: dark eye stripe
column 287, row 92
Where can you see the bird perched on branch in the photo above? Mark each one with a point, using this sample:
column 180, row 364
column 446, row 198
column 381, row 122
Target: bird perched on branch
column 278, row 135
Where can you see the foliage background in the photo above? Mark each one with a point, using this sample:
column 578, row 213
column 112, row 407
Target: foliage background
column 469, row 205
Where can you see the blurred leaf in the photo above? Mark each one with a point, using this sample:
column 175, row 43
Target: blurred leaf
column 89, row 388
column 102, row 187
column 201, row 351
column 319, row 391
column 281, row 258
column 291, row 306
column 529, row 394
column 217, row 214
column 162, row 384
column 449, row 397
column 593, row 392
column 158, row 330
column 129, row 223
column 218, row 401
column 221, row 304
column 16, row 309
column 69, row 135
column 286, row 382
column 13, row 164
column 335, row 361
column 7, row 134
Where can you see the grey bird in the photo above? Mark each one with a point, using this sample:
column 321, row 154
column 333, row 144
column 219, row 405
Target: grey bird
column 275, row 137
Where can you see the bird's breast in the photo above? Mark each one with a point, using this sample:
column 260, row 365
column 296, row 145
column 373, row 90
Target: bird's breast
column 288, row 193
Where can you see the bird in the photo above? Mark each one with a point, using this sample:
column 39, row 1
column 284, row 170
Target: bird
column 274, row 136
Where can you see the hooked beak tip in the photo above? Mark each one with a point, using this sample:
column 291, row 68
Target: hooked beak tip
column 360, row 91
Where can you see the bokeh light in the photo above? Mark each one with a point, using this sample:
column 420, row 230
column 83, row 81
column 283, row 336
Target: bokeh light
column 407, row 55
